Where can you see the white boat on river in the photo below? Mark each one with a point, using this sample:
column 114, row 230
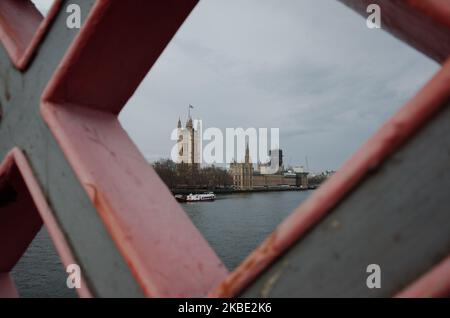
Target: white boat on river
column 201, row 197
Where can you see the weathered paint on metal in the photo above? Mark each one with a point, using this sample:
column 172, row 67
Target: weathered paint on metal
column 389, row 138
column 425, row 25
column 7, row 288
column 98, row 161
column 164, row 250
column 22, row 126
column 24, row 209
column 434, row 284
column 20, row 222
column 136, row 250
column 397, row 218
column 22, row 28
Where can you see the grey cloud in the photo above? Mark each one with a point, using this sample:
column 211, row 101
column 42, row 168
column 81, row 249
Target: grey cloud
column 309, row 67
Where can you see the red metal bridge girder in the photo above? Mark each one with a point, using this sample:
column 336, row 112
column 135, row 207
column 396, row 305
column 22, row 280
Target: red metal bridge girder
column 426, row 26
column 83, row 120
column 389, row 138
column 23, row 211
column 23, row 28
column 164, row 251
column 161, row 247
column 435, row 283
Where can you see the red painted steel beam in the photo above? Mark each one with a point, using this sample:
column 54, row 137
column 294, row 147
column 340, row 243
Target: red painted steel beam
column 23, row 210
column 116, row 48
column 388, row 139
column 435, row 283
column 7, row 287
column 102, row 69
column 424, row 24
column 109, row 58
column 19, row 220
column 22, row 28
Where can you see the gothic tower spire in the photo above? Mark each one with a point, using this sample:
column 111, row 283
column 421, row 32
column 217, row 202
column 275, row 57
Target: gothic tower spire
column 189, row 124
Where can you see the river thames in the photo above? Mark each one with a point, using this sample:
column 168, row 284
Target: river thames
column 233, row 225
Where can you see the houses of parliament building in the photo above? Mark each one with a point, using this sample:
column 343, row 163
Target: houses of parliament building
column 242, row 173
column 189, row 147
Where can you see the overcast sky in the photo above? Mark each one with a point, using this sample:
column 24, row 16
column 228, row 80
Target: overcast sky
column 311, row 68
column 43, row 5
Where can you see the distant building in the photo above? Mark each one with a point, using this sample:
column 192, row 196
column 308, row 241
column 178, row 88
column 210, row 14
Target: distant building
column 242, row 173
column 189, row 149
column 280, row 180
column 276, row 158
column 298, row 169
column 244, row 178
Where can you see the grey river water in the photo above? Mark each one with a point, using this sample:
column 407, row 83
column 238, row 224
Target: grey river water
column 233, row 225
